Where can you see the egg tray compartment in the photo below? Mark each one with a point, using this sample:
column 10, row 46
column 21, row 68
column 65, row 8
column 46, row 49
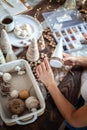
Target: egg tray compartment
column 73, row 37
column 19, row 82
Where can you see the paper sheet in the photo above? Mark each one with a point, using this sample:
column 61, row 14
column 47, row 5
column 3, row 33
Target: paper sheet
column 7, row 10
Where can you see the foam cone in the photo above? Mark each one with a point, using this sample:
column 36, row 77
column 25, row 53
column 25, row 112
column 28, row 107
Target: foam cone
column 56, row 58
column 32, row 52
column 5, row 43
column 70, row 4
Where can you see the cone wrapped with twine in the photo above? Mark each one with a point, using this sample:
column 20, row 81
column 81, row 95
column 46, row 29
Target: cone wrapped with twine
column 70, row 4
column 32, row 52
column 2, row 59
column 5, row 41
column 41, row 43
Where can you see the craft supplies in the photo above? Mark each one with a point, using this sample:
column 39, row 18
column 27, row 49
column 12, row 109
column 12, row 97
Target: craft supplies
column 74, row 37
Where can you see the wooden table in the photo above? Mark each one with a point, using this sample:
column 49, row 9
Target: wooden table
column 70, row 86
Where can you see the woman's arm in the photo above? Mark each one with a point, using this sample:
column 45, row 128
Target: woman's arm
column 73, row 60
column 77, row 118
column 82, row 61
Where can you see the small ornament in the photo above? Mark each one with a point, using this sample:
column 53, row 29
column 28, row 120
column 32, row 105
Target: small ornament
column 32, row 52
column 6, row 77
column 14, row 94
column 56, row 58
column 16, row 106
column 41, row 43
column 10, row 55
column 23, row 30
column 5, row 89
column 21, row 72
column 2, row 59
column 23, row 94
column 5, row 42
column 18, row 69
column 32, row 103
column 70, row 4
column 1, row 27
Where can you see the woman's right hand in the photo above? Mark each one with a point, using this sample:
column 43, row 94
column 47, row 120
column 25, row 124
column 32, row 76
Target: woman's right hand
column 45, row 74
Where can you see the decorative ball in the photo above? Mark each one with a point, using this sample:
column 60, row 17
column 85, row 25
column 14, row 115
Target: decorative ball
column 14, row 94
column 32, row 103
column 23, row 94
column 17, row 68
column 7, row 77
column 16, row 106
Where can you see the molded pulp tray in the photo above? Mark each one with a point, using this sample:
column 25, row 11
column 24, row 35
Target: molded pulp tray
column 18, row 82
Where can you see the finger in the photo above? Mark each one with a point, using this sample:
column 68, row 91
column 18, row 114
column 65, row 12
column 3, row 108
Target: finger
column 66, row 59
column 39, row 70
column 43, row 66
column 47, row 64
column 64, row 54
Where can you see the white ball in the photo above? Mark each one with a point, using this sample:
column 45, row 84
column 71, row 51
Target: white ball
column 18, row 33
column 17, row 68
column 17, row 28
column 14, row 94
column 31, row 103
column 28, row 29
column 7, row 77
column 25, row 26
column 24, row 33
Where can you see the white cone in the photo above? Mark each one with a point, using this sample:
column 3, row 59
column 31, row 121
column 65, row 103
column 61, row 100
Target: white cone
column 5, row 41
column 56, row 59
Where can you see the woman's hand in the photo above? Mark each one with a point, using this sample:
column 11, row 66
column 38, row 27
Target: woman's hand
column 45, row 73
column 69, row 59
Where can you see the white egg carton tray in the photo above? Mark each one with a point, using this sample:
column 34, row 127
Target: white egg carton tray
column 26, row 81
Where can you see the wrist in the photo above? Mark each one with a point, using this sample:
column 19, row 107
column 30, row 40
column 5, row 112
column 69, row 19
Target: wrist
column 77, row 61
column 51, row 85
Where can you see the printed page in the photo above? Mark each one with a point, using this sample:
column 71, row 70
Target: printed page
column 3, row 12
column 18, row 7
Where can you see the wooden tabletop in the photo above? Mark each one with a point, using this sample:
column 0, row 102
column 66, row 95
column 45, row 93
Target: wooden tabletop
column 70, row 86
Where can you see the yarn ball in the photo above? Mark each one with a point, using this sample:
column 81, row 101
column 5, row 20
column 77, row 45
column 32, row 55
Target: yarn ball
column 16, row 106
column 24, row 93
column 32, row 103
